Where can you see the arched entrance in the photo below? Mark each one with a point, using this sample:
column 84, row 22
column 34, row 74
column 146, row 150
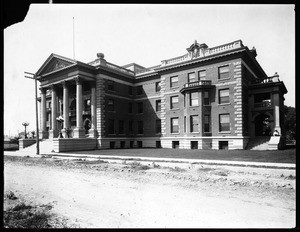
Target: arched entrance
column 262, row 125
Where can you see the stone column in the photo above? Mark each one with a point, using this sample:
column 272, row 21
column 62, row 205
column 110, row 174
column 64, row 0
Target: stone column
column 276, row 104
column 251, row 123
column 43, row 134
column 92, row 131
column 200, row 102
column 54, row 131
column 79, row 131
column 66, row 108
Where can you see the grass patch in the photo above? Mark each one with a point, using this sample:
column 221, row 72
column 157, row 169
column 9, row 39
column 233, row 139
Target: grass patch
column 27, row 217
column 138, row 166
column 280, row 156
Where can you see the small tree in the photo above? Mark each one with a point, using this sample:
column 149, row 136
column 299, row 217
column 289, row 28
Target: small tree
column 290, row 122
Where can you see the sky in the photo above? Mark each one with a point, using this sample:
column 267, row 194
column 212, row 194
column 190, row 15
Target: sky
column 144, row 34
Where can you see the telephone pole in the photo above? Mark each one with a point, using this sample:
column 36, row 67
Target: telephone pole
column 33, row 76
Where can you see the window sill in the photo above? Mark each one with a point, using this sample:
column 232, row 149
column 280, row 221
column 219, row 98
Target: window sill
column 176, row 87
column 175, row 109
column 224, row 104
column 193, row 106
column 195, row 132
column 224, row 79
column 175, row 133
column 224, row 132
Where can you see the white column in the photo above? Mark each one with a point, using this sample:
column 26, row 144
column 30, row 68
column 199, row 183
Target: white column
column 54, row 130
column 79, row 131
column 276, row 103
column 43, row 132
column 65, row 108
column 92, row 131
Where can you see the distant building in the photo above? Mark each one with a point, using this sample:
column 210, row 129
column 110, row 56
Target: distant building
column 208, row 98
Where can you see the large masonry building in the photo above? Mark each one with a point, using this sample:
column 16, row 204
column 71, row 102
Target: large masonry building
column 208, row 98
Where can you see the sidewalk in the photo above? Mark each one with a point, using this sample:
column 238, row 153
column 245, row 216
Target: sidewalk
column 157, row 159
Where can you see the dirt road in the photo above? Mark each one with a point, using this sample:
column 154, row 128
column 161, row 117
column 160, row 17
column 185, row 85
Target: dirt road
column 111, row 195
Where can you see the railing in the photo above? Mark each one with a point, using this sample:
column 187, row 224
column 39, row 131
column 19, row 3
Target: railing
column 262, row 104
column 197, row 83
column 224, row 47
column 150, row 69
column 267, row 80
column 113, row 66
column 175, row 60
column 94, row 63
column 86, row 111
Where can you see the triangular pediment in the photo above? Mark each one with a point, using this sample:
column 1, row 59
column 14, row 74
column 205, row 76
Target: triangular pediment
column 54, row 63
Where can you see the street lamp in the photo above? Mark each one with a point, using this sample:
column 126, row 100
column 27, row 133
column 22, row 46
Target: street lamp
column 25, row 124
column 60, row 119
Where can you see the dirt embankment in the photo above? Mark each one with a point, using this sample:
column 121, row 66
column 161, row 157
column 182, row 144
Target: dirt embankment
column 91, row 194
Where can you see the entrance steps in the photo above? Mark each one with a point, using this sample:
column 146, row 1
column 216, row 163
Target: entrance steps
column 259, row 143
column 46, row 147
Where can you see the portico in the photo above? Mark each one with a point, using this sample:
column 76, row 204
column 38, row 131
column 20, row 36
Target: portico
column 66, row 80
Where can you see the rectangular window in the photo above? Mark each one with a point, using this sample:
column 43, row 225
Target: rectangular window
column 191, row 77
column 175, row 144
column 174, row 102
column 111, row 85
column 111, row 105
column 139, row 90
column 130, row 126
column 121, row 126
column 130, row 90
column 157, row 86
column 158, row 144
column 173, row 81
column 194, row 144
column 184, row 124
column 158, row 105
column 158, row 126
column 111, row 126
column 224, row 122
column 130, row 107
column 224, row 72
column 194, row 123
column 140, row 107
column 206, row 100
column 223, row 96
column 206, row 123
column 202, row 75
column 140, row 127
column 194, row 99
column 174, row 125
column 223, row 145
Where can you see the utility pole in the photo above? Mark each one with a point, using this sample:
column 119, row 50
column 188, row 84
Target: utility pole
column 33, row 76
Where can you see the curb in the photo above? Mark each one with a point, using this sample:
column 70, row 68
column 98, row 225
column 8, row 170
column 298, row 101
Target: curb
column 165, row 160
column 188, row 161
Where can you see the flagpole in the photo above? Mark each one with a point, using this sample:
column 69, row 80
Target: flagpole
column 73, row 40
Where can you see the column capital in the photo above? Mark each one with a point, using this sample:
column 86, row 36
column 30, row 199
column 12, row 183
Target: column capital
column 52, row 87
column 64, row 83
column 78, row 80
column 43, row 90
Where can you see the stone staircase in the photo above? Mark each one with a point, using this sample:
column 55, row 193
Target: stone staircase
column 46, row 147
column 259, row 143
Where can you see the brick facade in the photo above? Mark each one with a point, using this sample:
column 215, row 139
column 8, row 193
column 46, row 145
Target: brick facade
column 213, row 111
